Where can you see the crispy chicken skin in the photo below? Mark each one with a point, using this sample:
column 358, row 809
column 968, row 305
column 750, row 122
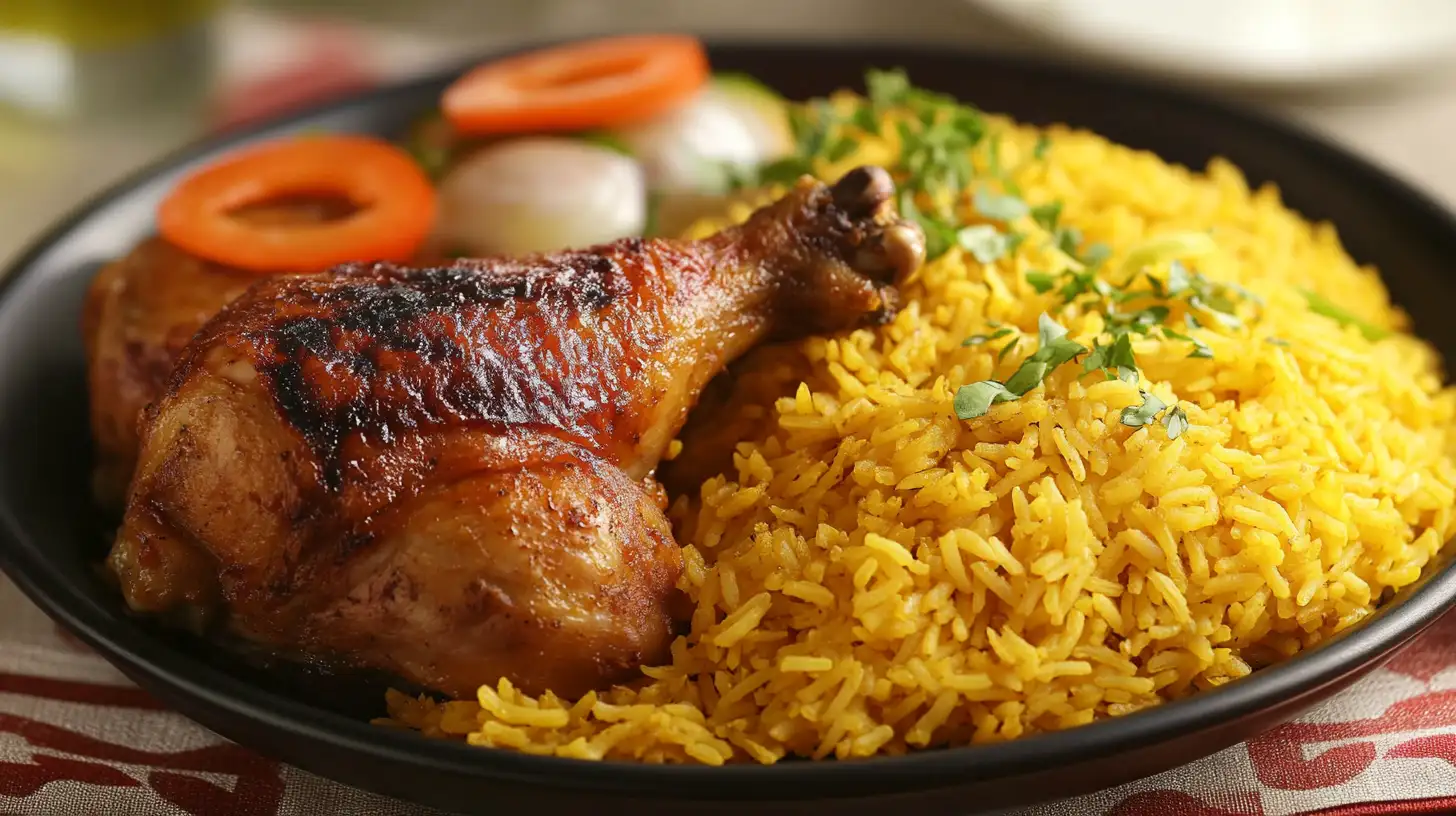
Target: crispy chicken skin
column 446, row 473
column 140, row 312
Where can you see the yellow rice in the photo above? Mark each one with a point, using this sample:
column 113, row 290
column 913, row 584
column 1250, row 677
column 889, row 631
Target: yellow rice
column 872, row 575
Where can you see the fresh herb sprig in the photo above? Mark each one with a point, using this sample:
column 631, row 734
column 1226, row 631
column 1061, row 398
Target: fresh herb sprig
column 1054, row 349
column 1175, row 419
column 1129, row 310
column 937, row 136
column 1146, row 310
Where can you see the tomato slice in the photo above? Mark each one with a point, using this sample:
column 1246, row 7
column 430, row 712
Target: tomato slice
column 393, row 200
column 596, row 83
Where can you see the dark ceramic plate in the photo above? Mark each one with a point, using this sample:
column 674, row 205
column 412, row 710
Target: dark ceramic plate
column 50, row 542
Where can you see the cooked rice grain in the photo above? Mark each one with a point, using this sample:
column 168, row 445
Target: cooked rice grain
column 872, row 575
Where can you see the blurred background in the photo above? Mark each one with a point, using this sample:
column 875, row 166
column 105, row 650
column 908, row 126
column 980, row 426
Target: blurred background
column 92, row 89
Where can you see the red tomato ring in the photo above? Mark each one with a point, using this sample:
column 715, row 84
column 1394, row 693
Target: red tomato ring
column 395, row 201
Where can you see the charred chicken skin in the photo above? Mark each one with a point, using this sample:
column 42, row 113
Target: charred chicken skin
column 446, row 473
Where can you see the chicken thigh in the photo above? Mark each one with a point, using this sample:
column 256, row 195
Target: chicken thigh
column 141, row 311
column 446, row 473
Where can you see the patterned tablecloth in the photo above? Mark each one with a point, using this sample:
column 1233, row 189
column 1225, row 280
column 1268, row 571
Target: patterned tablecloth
column 77, row 738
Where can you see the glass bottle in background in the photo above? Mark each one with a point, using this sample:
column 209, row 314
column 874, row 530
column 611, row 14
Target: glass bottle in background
column 64, row 60
column 90, row 90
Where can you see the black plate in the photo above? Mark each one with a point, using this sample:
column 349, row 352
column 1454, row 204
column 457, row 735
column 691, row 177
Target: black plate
column 50, row 543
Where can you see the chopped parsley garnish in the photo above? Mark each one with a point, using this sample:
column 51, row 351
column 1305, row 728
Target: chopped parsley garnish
column 940, row 188
column 1197, row 293
column 1179, row 280
column 1200, row 349
column 1111, row 357
column 976, row 399
column 1042, row 282
column 977, row 339
column 984, row 241
column 887, row 89
column 1067, row 239
column 1129, row 310
column 1047, row 215
column 1321, row 305
column 1054, row 337
column 1136, row 416
column 993, row 155
column 1176, row 422
column 1054, row 349
column 936, row 134
column 839, row 149
column 1095, row 254
column 1175, row 419
column 999, row 207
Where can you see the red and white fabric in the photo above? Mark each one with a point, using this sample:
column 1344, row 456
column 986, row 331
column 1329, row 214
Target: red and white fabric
column 77, row 738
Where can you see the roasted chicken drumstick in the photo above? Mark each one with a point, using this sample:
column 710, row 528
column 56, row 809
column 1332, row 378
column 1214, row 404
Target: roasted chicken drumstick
column 447, row 473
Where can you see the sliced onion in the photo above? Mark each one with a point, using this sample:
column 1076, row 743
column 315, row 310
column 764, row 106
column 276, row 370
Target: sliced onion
column 690, row 148
column 540, row 194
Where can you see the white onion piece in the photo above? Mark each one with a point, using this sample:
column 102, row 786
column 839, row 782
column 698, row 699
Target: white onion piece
column 763, row 111
column 685, row 149
column 540, row 194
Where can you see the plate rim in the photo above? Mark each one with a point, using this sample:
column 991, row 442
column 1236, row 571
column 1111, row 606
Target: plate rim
column 1414, row 608
column 1240, row 71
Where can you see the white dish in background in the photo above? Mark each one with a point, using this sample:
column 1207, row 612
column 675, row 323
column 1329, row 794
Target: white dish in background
column 1259, row 41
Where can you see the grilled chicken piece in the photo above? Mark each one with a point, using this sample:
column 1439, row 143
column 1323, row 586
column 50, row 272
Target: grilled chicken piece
column 446, row 473
column 140, row 312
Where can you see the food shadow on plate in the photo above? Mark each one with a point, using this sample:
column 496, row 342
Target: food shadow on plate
column 44, row 430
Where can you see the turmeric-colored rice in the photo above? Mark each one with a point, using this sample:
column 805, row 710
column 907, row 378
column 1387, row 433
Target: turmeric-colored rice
column 872, row 575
